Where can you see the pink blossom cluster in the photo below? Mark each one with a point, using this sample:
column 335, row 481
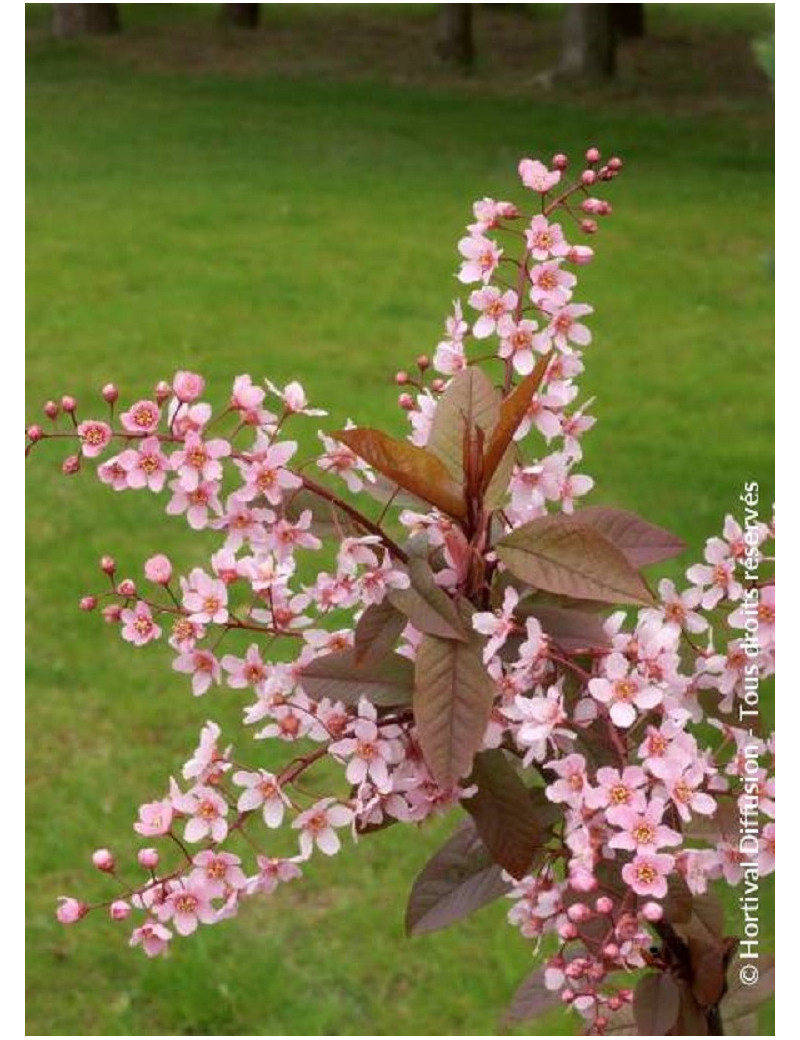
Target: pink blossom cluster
column 659, row 801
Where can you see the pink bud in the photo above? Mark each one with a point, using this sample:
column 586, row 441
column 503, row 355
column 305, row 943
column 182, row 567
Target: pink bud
column 593, row 155
column 35, row 433
column 574, row 970
column 438, row 385
column 611, row 951
column 70, row 910
column 588, row 177
column 652, row 911
column 51, row 410
column 423, row 362
column 103, row 860
column 559, row 161
column 579, row 912
column 589, row 227
column 112, row 613
column 188, row 386
column 119, row 910
column 108, row 564
column 615, row 163
column 600, row 1023
column 406, row 401
column 110, row 393
column 158, row 569
column 127, row 587
column 401, row 378
column 71, row 465
column 148, row 858
column 567, row 996
column 592, row 205
column 163, row 392
column 614, row 1002
column 604, row 905
column 625, row 995
column 567, row 931
column 88, row 603
column 68, row 403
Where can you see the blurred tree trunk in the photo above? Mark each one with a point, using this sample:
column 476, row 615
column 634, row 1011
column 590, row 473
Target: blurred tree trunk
column 241, row 16
column 454, row 43
column 589, row 41
column 629, row 20
column 82, row 19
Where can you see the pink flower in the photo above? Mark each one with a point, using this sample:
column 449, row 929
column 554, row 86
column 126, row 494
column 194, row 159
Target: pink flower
column 203, row 667
column 113, row 474
column 641, row 831
column 564, row 327
column 188, row 905
column 271, row 873
column 537, row 177
column 247, row 671
column 145, row 466
column 493, row 305
column 207, row 810
column 687, row 799
column 647, row 874
column 95, row 436
column 205, row 598
column 187, row 386
column 208, row 763
column 498, row 625
column 294, row 399
column 138, row 626
column 316, row 826
column 572, row 784
column 545, row 239
column 196, row 504
column 339, row 459
column 623, row 691
column 678, row 609
column 517, row 341
column 199, row 461
column 617, row 790
column 261, row 791
column 266, row 475
column 481, row 257
column 152, row 937
column 717, row 576
column 155, row 818
column 142, row 417
column 369, row 755
column 218, row 871
column 551, row 285
column 539, row 719
column 70, row 910
column 158, row 569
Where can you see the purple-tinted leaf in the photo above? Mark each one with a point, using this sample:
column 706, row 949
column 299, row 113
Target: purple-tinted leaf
column 532, row 999
column 387, row 683
column 413, row 468
column 678, row 902
column 570, row 629
column 470, row 401
column 656, row 1004
column 453, row 696
column 691, row 1020
column 642, row 543
column 459, row 879
column 504, row 813
column 427, row 606
column 741, row 1002
column 558, row 554
column 377, row 632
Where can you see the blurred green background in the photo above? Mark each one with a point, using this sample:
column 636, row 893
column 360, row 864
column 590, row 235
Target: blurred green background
column 286, row 203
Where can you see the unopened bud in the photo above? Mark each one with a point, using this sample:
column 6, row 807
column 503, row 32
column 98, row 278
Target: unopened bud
column 559, row 161
column 593, row 155
column 163, row 392
column 652, row 912
column 567, row 931
column 112, row 613
column 71, row 465
column 579, row 912
column 401, row 378
column 119, row 910
column 88, row 603
column 615, row 164
column 108, row 564
column 70, row 910
column 604, row 905
column 35, row 433
column 158, row 569
column 406, row 401
column 611, row 951
column 103, row 860
column 423, row 362
column 68, row 403
column 127, row 587
column 110, row 393
column 588, row 177
column 438, row 385
column 51, row 410
column 589, row 227
column 148, row 858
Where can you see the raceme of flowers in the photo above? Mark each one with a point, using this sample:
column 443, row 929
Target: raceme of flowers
column 478, row 640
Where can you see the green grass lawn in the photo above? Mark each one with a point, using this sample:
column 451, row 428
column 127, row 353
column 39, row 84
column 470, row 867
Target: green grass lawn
column 295, row 224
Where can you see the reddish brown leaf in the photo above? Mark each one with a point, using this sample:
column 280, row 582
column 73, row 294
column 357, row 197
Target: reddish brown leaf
column 387, row 683
column 427, row 606
column 377, row 632
column 678, row 902
column 656, row 1004
column 504, row 813
column 641, row 542
column 453, row 696
column 512, row 412
column 691, row 1020
column 458, row 879
column 741, row 1002
column 708, row 971
column 469, row 402
column 558, row 554
column 571, row 629
column 413, row 468
column 532, row 999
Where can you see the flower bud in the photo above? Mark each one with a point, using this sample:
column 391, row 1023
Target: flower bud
column 438, row 385
column 588, row 177
column 401, row 378
column 652, row 912
column 423, row 362
column 593, row 155
column 70, row 910
column 112, row 613
column 103, row 860
column 148, row 858
column 88, row 602
column 108, row 564
column 406, row 401
column 600, row 1023
column 567, row 931
column 71, row 465
column 187, row 386
column 567, row 996
column 158, row 569
column 51, row 410
column 589, row 227
column 110, row 393
column 559, row 161
column 35, row 433
column 127, row 587
column 579, row 912
column 119, row 910
column 68, row 403
column 611, row 951
column 163, row 392
column 615, row 164
column 604, row 905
